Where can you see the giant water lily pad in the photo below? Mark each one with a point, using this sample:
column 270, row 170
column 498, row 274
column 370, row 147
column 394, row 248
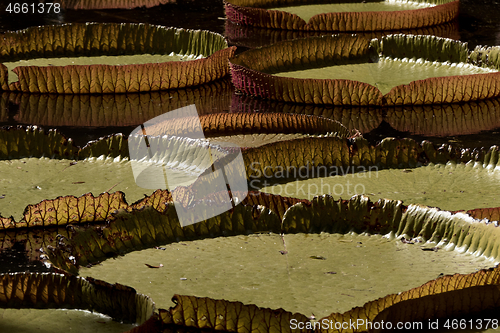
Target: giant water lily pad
column 251, row 269
column 447, row 186
column 59, row 291
column 428, row 232
column 419, row 172
column 31, row 180
column 48, row 166
column 346, row 16
column 394, row 169
column 59, row 320
column 153, row 223
column 110, row 58
column 395, row 70
column 130, row 232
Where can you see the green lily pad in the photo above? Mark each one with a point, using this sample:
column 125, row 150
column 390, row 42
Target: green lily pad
column 141, row 59
column 251, row 269
column 143, row 45
column 257, row 140
column 267, row 163
column 49, row 178
column 387, row 73
column 342, row 70
column 60, row 291
column 430, row 231
column 305, row 12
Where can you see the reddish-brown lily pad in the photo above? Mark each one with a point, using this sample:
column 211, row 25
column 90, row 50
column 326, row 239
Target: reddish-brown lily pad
column 395, row 70
column 346, row 16
column 110, row 58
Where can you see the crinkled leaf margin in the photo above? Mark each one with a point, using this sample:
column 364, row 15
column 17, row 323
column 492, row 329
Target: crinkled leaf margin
column 247, row 12
column 252, row 71
column 92, row 39
column 42, row 290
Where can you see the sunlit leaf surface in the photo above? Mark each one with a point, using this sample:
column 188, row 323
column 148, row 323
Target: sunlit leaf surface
column 128, row 65
column 350, row 70
column 347, row 16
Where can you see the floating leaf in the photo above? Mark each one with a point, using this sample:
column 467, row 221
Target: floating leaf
column 221, row 315
column 70, row 209
column 308, row 153
column 486, row 56
column 159, row 201
column 34, row 142
column 448, row 296
column 303, row 156
column 351, row 17
column 250, row 70
column 31, row 290
column 258, row 140
column 23, row 247
column 91, row 40
column 279, row 205
column 114, row 146
column 223, row 124
column 394, row 169
column 129, row 232
column 343, row 70
column 492, row 214
column 33, row 180
column 359, row 215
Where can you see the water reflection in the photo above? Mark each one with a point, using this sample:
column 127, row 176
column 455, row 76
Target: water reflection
column 447, row 119
column 363, row 119
column 251, row 37
column 442, row 120
column 112, row 109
